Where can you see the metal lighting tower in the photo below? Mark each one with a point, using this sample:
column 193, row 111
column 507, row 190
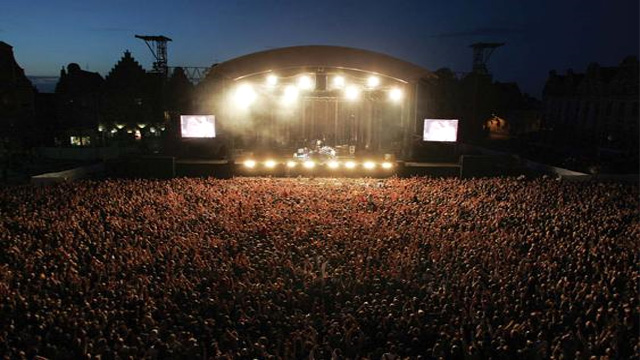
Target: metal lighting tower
column 160, row 53
column 481, row 54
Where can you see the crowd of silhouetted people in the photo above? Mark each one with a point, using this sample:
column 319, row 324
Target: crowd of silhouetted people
column 261, row 268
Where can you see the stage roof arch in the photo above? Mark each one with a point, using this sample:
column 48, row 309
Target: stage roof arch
column 319, row 57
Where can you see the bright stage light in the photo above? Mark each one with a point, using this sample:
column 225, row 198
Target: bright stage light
column 338, row 82
column 244, row 96
column 309, row 164
column 272, row 80
column 305, row 82
column 387, row 165
column 369, row 165
column 350, row 164
column 250, row 164
column 373, row 82
column 332, row 164
column 351, row 92
column 290, row 94
column 270, row 164
column 291, row 164
column 395, row 94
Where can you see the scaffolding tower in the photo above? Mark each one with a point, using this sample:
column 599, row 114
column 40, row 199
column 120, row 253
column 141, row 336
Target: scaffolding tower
column 160, row 53
column 481, row 54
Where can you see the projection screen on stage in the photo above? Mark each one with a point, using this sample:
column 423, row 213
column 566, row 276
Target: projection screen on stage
column 444, row 130
column 198, row 126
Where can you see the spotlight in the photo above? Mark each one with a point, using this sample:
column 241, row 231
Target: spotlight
column 369, row 165
column 290, row 94
column 244, row 96
column 272, row 80
column 351, row 92
column 338, row 82
column 373, row 82
column 395, row 94
column 332, row 164
column 386, row 165
column 309, row 164
column 250, row 164
column 291, row 164
column 270, row 164
column 350, row 164
column 305, row 82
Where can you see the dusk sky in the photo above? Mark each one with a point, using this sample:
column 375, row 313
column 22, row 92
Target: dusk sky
column 540, row 35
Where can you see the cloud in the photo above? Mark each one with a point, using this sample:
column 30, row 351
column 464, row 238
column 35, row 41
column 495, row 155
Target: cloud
column 482, row 31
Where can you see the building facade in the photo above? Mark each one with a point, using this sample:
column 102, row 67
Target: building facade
column 595, row 111
column 17, row 98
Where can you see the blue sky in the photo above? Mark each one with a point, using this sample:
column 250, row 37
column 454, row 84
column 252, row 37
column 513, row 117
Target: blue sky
column 539, row 35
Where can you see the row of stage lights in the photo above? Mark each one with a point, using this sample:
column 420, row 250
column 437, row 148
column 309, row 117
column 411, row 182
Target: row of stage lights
column 245, row 94
column 310, row 164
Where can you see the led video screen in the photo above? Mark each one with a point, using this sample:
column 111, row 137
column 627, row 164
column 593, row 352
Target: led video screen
column 198, row 126
column 445, row 130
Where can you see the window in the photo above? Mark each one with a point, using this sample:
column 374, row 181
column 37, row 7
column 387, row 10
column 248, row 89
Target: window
column 80, row 140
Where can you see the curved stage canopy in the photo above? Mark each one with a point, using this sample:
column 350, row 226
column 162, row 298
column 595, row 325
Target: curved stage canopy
column 318, row 57
column 350, row 98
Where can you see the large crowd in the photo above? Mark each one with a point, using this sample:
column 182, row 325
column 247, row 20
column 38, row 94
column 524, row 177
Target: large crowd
column 262, row 268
